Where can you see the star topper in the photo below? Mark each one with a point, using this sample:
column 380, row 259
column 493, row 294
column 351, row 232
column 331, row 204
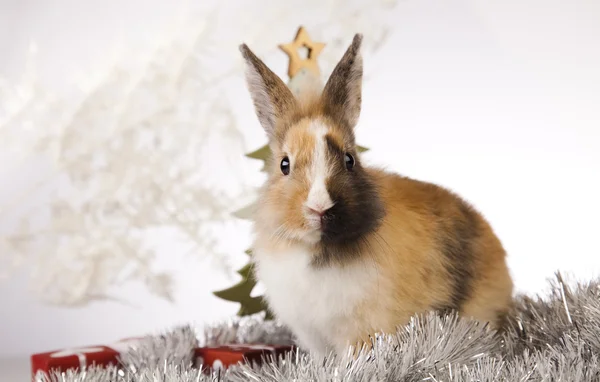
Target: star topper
column 296, row 62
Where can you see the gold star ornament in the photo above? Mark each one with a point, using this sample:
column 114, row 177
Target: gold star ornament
column 297, row 62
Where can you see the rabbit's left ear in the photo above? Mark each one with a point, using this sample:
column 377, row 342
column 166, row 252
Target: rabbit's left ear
column 342, row 93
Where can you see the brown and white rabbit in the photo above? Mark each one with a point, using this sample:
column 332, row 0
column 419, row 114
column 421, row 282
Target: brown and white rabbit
column 345, row 251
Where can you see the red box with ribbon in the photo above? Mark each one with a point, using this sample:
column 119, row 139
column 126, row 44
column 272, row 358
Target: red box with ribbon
column 220, row 357
column 79, row 358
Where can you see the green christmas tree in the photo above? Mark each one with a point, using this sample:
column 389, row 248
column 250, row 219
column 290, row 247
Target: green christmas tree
column 304, row 73
column 241, row 292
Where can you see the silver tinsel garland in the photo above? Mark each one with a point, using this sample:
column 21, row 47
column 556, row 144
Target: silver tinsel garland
column 549, row 338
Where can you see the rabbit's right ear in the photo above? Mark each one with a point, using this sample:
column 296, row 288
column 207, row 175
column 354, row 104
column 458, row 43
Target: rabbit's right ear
column 271, row 97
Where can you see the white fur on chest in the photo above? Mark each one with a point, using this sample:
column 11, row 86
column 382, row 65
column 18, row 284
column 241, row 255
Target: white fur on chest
column 319, row 305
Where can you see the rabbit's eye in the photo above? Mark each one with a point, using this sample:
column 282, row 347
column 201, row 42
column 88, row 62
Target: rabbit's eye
column 285, row 165
column 349, row 159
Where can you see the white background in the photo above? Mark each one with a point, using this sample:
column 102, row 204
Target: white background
column 498, row 100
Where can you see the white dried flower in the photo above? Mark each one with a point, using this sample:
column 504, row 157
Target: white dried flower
column 149, row 144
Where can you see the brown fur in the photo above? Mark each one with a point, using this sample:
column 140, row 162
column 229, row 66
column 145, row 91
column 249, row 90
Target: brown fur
column 414, row 264
column 431, row 249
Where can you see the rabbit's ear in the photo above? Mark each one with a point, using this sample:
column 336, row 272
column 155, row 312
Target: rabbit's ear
column 271, row 97
column 343, row 91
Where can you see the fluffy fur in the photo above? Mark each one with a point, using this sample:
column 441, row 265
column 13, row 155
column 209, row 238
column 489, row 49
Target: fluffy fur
column 347, row 251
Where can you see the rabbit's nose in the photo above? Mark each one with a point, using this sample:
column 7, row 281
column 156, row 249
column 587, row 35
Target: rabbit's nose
column 317, row 211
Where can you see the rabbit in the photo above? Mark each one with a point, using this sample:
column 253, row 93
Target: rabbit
column 346, row 251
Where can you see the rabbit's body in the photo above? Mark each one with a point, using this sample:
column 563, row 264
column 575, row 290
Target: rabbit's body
column 345, row 251
column 431, row 252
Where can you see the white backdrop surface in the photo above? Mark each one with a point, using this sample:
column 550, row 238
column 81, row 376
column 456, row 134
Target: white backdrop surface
column 497, row 100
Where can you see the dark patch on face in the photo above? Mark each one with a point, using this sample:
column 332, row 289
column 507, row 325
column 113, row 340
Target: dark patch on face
column 357, row 212
column 334, row 150
column 456, row 242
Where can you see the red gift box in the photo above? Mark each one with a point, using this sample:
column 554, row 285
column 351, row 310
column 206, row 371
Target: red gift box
column 221, row 357
column 79, row 358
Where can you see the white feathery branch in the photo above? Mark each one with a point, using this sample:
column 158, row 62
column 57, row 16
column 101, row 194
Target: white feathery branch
column 149, row 144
